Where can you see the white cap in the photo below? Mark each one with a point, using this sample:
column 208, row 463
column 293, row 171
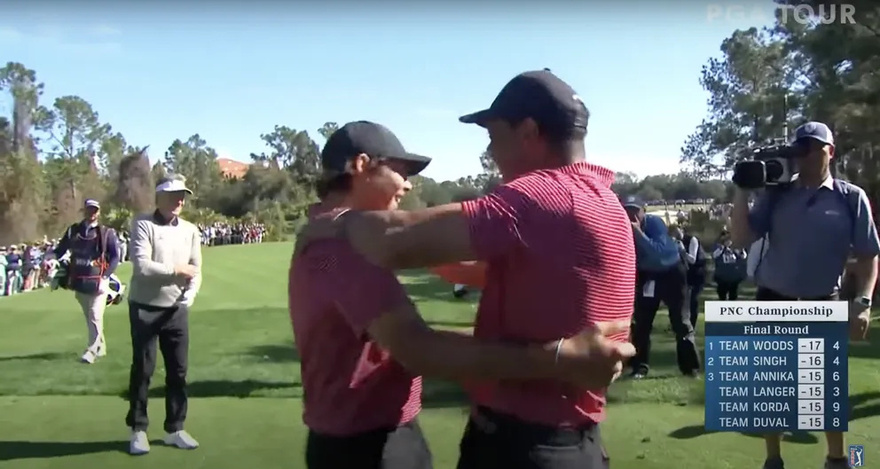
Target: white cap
column 173, row 185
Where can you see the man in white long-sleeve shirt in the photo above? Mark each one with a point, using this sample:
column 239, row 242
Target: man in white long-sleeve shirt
column 695, row 258
column 166, row 258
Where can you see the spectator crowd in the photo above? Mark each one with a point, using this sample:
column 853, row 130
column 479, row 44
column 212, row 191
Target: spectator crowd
column 221, row 234
column 25, row 267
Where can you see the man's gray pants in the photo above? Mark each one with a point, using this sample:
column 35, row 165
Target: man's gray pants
column 93, row 306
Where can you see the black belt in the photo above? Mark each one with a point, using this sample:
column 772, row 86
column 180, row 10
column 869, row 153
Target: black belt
column 510, row 427
column 153, row 309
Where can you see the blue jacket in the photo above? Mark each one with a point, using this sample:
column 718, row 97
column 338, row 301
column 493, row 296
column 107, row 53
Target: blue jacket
column 656, row 251
column 13, row 261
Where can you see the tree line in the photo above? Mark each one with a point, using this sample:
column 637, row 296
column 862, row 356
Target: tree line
column 767, row 81
column 54, row 155
column 671, row 187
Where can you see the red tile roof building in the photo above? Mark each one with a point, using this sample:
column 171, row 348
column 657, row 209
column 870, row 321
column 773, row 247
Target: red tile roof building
column 231, row 168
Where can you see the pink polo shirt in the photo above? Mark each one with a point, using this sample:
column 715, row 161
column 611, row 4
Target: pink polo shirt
column 350, row 385
column 560, row 255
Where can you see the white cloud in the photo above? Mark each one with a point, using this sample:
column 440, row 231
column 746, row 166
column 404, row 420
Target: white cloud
column 9, row 35
column 105, row 30
column 90, row 48
column 65, row 39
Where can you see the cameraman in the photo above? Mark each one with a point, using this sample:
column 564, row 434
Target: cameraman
column 812, row 226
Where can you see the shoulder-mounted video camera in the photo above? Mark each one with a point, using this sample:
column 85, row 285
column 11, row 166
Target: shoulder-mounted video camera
column 769, row 166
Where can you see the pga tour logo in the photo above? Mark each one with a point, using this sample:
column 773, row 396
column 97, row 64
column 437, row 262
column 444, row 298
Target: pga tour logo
column 856, row 456
column 802, row 14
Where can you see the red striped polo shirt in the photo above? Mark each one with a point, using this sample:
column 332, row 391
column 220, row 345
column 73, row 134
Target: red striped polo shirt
column 349, row 384
column 560, row 255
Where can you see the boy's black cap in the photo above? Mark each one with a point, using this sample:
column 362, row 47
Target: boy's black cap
column 372, row 139
column 541, row 95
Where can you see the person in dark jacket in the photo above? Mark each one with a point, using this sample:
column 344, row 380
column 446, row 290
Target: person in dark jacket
column 730, row 268
column 28, row 268
column 661, row 275
column 13, row 271
column 94, row 256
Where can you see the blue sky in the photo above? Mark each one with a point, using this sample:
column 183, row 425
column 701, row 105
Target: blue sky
column 232, row 70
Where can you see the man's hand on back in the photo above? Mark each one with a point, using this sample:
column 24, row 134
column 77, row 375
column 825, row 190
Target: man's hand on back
column 363, row 230
column 324, row 226
column 590, row 359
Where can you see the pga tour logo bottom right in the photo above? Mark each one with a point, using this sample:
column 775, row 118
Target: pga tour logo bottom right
column 856, row 456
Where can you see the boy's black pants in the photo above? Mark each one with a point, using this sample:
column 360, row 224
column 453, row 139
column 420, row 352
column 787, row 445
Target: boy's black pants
column 403, row 447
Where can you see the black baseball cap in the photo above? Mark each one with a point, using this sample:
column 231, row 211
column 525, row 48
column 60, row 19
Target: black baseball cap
column 540, row 95
column 372, row 139
column 632, row 201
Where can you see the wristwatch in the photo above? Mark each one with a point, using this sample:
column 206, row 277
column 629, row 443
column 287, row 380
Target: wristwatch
column 863, row 301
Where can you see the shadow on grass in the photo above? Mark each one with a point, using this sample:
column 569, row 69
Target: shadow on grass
column 861, row 411
column 435, row 393
column 694, row 431
column 48, row 356
column 222, row 388
column 858, row 411
column 287, row 353
column 229, row 388
column 14, row 450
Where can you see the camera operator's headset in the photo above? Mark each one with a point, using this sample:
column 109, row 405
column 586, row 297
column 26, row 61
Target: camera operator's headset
column 843, row 188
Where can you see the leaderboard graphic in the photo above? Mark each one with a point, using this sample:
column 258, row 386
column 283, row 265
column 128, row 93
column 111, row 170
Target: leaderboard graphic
column 774, row 366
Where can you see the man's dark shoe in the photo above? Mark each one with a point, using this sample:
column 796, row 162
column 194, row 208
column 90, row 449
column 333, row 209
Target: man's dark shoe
column 836, row 463
column 774, row 463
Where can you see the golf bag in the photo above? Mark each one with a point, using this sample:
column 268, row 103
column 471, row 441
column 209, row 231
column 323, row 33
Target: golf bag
column 60, row 280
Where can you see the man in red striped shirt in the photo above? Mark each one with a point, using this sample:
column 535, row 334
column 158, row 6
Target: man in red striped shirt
column 560, row 257
column 362, row 343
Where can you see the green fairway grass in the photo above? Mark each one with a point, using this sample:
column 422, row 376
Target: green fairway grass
column 244, row 384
